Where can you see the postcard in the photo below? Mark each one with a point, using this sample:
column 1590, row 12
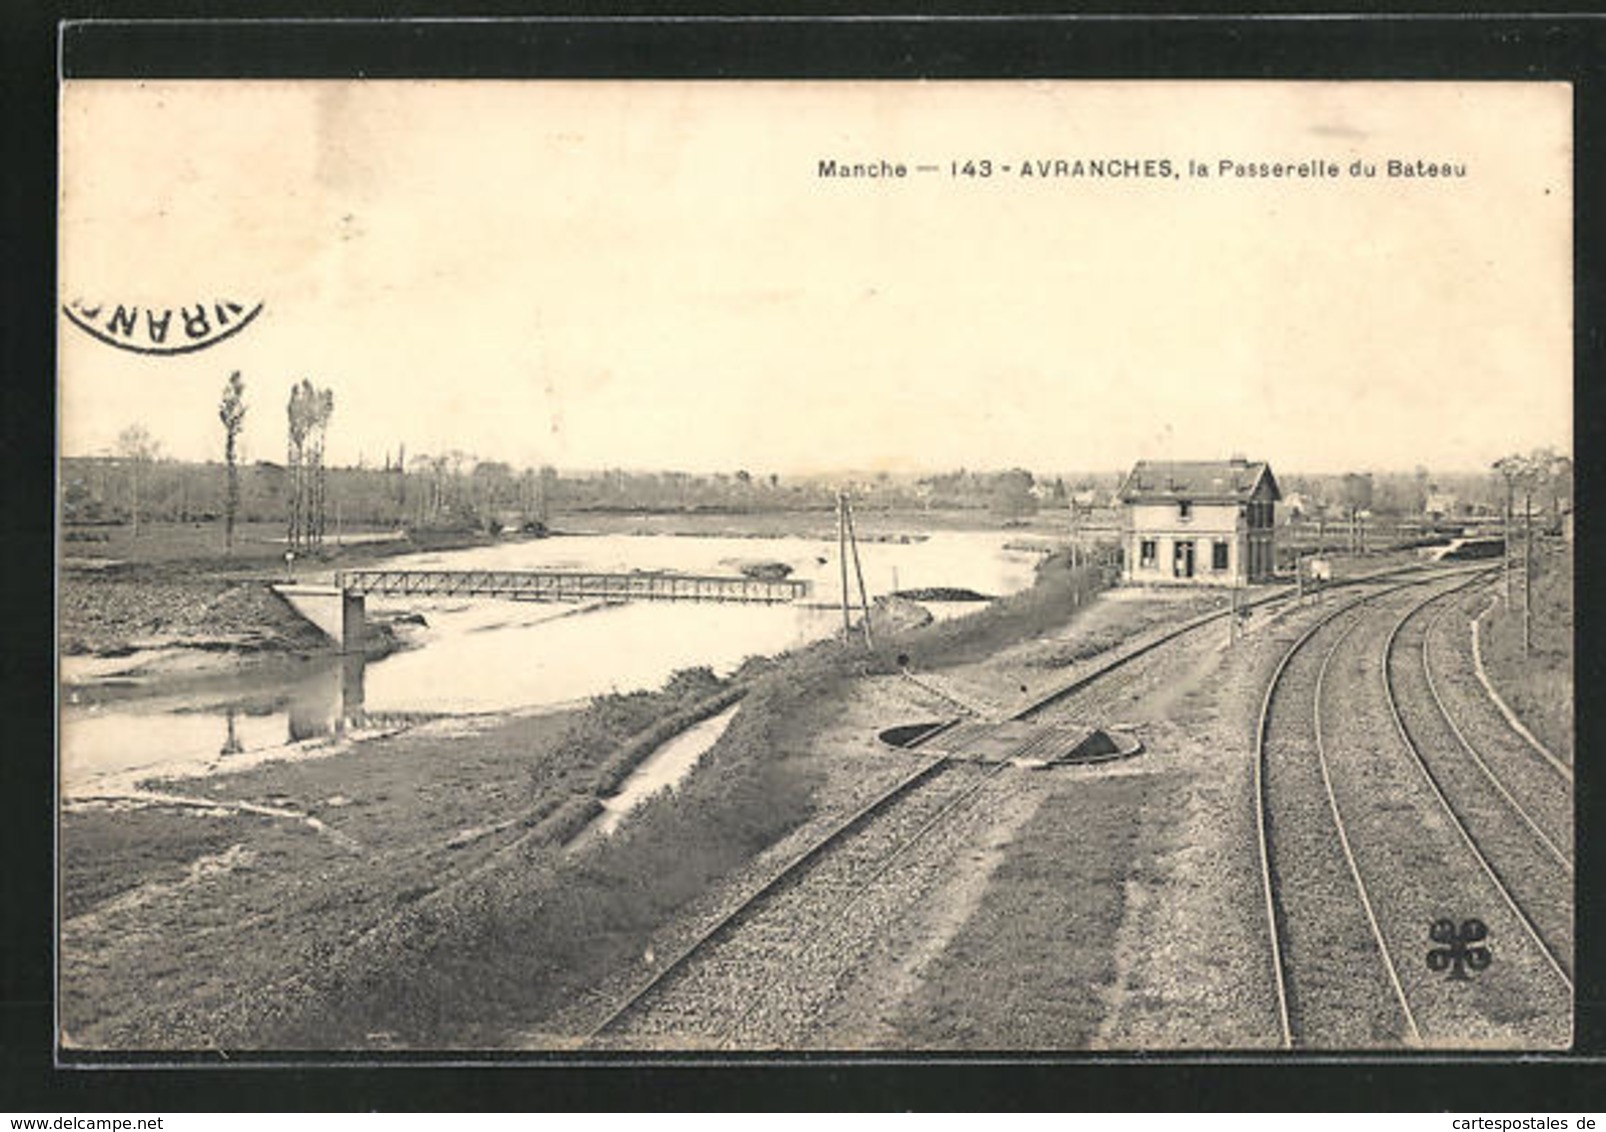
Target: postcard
column 611, row 568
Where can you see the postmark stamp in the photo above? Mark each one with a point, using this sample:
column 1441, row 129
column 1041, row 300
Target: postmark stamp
column 168, row 329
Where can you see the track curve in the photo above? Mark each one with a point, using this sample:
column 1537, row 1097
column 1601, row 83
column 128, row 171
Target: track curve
column 1415, row 829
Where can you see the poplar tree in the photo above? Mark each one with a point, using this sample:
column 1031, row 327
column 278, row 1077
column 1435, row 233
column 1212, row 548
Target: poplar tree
column 231, row 412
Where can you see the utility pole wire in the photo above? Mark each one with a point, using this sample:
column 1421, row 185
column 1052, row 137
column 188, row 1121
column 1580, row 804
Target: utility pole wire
column 858, row 569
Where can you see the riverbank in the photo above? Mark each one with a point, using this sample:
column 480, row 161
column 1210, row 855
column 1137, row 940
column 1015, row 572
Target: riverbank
column 171, row 608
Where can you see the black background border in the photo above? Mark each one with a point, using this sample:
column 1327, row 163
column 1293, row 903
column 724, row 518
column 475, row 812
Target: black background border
column 210, row 40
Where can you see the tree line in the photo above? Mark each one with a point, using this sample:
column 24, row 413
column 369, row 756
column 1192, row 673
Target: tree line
column 457, row 491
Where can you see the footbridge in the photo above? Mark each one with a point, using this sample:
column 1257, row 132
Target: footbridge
column 339, row 609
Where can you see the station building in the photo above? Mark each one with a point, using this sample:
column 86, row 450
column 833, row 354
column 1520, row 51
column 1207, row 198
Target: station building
column 1199, row 522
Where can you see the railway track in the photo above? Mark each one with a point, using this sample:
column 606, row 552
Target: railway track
column 1529, row 865
column 1331, row 970
column 756, row 975
column 1362, row 848
column 762, row 969
column 1112, row 678
column 1075, row 691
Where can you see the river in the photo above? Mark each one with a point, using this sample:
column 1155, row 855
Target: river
column 476, row 655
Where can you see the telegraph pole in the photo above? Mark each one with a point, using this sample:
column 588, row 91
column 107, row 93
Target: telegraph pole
column 858, row 570
column 1507, row 468
column 842, row 556
column 1075, row 530
column 1527, row 567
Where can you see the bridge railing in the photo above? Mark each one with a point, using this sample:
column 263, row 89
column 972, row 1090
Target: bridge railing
column 571, row 585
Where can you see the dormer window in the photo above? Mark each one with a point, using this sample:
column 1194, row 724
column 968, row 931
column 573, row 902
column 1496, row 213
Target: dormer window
column 1185, row 509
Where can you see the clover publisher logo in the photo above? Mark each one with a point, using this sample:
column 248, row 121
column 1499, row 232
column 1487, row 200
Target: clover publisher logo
column 1458, row 955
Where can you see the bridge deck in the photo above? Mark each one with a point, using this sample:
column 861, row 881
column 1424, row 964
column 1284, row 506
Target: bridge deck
column 566, row 585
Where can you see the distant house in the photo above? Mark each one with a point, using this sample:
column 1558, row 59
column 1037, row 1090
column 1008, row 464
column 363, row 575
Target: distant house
column 1295, row 505
column 1439, row 505
column 1201, row 522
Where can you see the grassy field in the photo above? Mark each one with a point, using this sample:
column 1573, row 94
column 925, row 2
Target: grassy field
column 1537, row 683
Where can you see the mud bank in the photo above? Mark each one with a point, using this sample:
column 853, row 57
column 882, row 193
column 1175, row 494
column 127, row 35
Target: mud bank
column 133, row 632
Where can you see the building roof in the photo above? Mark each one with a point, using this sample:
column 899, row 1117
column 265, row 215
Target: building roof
column 1199, row 481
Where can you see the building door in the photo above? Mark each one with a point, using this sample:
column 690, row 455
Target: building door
column 1182, row 560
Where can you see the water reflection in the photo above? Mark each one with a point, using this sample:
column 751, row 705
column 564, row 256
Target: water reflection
column 232, row 745
column 178, row 731
column 330, row 703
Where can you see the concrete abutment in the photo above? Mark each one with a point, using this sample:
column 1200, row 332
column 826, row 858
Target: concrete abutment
column 342, row 616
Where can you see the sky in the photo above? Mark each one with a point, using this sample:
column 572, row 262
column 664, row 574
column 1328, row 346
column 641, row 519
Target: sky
column 653, row 275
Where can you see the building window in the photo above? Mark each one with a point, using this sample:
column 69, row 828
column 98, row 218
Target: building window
column 1184, row 509
column 1218, row 555
column 1148, row 554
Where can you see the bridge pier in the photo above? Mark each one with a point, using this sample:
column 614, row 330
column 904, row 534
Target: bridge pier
column 341, row 615
column 353, row 622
